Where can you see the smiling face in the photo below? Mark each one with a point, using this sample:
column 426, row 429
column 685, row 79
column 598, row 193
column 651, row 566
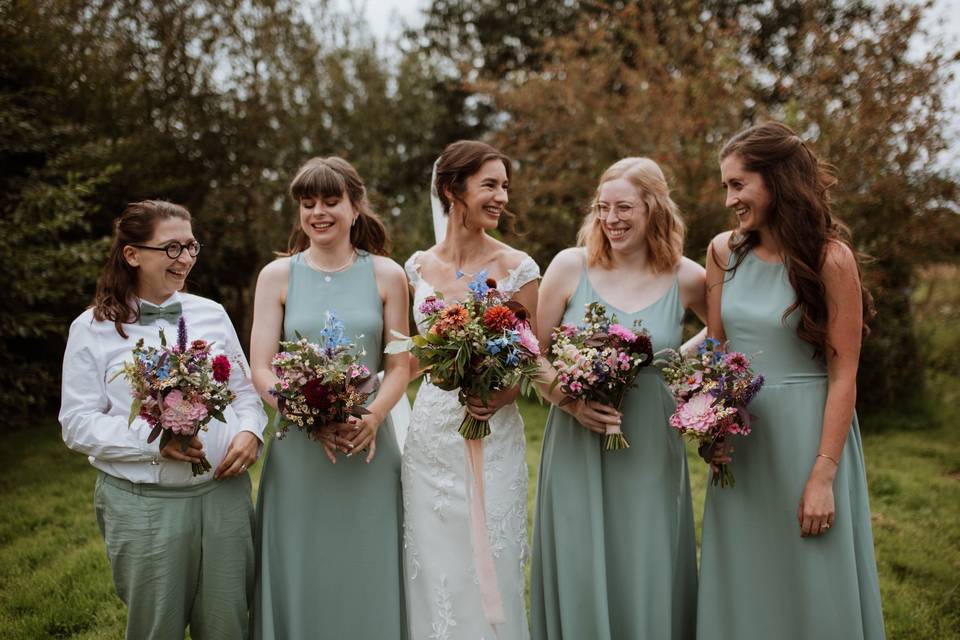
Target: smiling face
column 327, row 220
column 158, row 276
column 485, row 196
column 624, row 221
column 747, row 194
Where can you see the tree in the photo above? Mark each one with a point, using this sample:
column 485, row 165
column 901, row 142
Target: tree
column 674, row 83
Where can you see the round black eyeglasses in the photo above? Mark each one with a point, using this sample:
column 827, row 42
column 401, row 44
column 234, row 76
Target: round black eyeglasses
column 174, row 249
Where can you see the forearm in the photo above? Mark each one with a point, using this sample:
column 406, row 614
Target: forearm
column 107, row 437
column 549, row 391
column 691, row 345
column 837, row 418
column 264, row 379
column 394, row 385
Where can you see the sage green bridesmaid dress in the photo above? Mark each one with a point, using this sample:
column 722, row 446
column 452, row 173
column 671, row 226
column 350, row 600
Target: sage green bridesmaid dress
column 329, row 536
column 614, row 554
column 758, row 578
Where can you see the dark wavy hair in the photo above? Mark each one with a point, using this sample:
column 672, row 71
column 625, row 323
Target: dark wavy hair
column 332, row 178
column 800, row 218
column 118, row 281
column 459, row 161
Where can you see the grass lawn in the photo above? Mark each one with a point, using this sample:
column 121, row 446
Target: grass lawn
column 55, row 581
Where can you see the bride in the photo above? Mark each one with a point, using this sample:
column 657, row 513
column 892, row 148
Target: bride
column 460, row 584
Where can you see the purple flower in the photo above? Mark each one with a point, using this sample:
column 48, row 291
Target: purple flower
column 431, row 305
column 755, row 385
column 182, row 335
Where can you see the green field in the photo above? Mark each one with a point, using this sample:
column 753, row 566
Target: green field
column 55, row 580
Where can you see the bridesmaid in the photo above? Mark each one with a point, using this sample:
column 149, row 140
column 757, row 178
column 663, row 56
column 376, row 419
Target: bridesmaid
column 329, row 514
column 180, row 546
column 788, row 552
column 613, row 546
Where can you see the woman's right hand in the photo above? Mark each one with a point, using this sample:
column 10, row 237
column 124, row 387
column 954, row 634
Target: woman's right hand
column 336, row 436
column 193, row 454
column 716, row 454
column 593, row 415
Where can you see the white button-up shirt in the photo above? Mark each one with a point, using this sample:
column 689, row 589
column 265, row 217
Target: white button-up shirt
column 95, row 406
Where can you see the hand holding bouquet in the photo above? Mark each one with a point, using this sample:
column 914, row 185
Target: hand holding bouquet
column 712, row 389
column 320, row 384
column 478, row 346
column 599, row 360
column 178, row 389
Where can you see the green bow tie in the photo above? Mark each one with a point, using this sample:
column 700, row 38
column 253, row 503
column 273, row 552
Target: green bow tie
column 150, row 313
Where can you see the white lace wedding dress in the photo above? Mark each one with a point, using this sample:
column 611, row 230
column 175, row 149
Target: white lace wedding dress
column 442, row 586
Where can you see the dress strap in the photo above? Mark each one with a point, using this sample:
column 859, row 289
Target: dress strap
column 412, row 267
column 526, row 271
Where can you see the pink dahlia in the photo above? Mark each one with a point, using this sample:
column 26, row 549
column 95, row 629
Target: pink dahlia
column 180, row 415
column 696, row 414
column 621, row 332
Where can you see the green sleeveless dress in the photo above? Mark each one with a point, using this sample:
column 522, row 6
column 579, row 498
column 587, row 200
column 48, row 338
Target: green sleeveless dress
column 614, row 555
column 758, row 578
column 329, row 537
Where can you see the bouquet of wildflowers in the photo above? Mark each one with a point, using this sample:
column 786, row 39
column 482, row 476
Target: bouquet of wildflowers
column 599, row 360
column 178, row 389
column 712, row 389
column 478, row 346
column 320, row 383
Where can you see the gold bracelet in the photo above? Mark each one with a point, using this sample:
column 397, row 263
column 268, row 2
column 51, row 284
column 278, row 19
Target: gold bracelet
column 823, row 455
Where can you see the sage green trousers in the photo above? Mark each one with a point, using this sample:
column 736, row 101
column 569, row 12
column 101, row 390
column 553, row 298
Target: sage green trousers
column 180, row 556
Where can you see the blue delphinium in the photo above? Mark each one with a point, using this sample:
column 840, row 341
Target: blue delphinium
column 478, row 286
column 332, row 333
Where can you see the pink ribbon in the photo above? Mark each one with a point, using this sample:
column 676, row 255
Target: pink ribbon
column 482, row 554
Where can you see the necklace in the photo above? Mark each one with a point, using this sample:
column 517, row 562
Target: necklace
column 327, row 272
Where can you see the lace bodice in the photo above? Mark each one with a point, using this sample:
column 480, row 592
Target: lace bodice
column 525, row 272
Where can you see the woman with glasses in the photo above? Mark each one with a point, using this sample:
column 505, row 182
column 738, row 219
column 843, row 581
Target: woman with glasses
column 180, row 546
column 613, row 544
column 329, row 513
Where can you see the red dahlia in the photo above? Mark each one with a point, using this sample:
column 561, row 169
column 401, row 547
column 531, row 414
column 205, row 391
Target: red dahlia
column 316, row 394
column 221, row 368
column 499, row 318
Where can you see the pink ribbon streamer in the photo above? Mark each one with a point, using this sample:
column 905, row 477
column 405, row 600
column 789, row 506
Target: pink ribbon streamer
column 482, row 554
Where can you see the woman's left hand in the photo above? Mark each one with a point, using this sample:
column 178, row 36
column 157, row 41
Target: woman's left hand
column 241, row 454
column 364, row 435
column 817, row 508
column 480, row 411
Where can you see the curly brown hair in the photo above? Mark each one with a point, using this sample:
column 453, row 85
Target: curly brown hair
column 799, row 218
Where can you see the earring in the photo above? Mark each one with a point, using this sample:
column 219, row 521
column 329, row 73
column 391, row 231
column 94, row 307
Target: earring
column 354, row 223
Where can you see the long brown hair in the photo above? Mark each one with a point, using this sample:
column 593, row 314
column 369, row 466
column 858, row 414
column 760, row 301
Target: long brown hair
column 459, row 161
column 799, row 218
column 118, row 281
column 332, row 178
column 665, row 229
